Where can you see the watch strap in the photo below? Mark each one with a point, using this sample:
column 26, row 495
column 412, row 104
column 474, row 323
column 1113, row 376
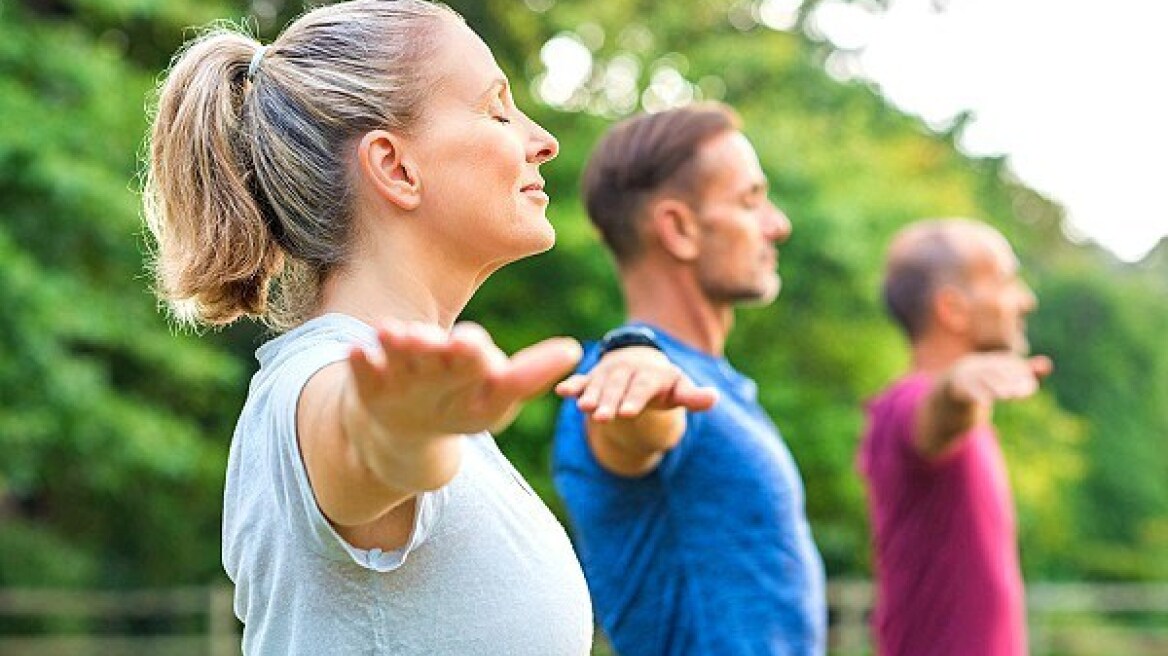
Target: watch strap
column 626, row 336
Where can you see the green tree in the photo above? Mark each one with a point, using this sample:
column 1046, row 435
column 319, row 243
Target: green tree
column 113, row 429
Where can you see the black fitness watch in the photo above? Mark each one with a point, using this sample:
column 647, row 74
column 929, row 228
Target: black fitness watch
column 626, row 336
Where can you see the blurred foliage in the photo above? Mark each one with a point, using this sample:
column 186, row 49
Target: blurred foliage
column 114, row 429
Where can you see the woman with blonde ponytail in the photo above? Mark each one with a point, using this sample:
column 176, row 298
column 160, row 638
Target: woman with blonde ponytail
column 352, row 184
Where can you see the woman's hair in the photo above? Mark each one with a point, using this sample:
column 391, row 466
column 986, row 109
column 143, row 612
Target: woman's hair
column 249, row 190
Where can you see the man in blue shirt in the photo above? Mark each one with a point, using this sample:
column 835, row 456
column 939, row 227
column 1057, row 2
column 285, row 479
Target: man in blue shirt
column 686, row 504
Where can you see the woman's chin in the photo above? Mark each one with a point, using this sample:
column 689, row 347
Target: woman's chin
column 548, row 239
column 538, row 238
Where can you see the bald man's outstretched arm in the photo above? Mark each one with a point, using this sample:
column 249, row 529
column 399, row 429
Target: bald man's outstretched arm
column 963, row 396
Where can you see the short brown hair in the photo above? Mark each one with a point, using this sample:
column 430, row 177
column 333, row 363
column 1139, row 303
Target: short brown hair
column 641, row 156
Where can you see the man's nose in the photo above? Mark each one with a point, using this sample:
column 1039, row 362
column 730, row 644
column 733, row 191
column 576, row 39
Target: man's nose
column 776, row 225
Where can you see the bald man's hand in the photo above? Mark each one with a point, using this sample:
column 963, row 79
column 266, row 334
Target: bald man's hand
column 964, row 395
column 982, row 378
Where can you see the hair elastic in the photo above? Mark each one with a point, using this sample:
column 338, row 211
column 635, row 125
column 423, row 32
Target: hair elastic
column 255, row 62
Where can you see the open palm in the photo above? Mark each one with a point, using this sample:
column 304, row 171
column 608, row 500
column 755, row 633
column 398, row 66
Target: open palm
column 425, row 382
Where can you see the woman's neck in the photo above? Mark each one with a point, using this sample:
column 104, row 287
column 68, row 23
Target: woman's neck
column 374, row 287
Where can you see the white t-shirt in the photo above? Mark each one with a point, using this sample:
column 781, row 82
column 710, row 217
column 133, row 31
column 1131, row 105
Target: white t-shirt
column 487, row 570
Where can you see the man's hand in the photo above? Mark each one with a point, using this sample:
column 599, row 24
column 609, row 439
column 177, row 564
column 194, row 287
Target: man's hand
column 635, row 400
column 983, row 378
column 628, row 381
column 964, row 395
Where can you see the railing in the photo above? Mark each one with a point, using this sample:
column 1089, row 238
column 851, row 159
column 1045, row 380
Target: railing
column 1085, row 619
column 170, row 622
column 1066, row 619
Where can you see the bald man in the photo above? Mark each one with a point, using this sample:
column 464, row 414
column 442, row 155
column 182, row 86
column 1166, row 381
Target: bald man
column 947, row 575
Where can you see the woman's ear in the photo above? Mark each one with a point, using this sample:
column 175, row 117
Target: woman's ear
column 382, row 163
column 675, row 226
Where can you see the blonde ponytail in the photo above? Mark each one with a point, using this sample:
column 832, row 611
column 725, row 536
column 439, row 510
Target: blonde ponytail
column 215, row 254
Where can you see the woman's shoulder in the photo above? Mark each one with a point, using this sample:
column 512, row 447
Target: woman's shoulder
column 327, row 333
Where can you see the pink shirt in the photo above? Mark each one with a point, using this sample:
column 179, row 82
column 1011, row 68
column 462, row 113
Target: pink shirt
column 947, row 575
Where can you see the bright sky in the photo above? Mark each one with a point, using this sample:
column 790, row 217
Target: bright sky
column 1071, row 91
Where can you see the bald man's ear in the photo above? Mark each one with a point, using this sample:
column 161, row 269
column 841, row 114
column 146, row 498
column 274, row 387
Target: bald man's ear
column 383, row 164
column 675, row 226
column 952, row 310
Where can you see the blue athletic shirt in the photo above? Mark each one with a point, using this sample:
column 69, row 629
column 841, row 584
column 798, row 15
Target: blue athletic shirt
column 711, row 552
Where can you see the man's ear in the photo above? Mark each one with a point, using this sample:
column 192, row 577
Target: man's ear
column 675, row 226
column 382, row 162
column 951, row 309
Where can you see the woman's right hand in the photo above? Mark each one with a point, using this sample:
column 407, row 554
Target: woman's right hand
column 424, row 386
column 388, row 424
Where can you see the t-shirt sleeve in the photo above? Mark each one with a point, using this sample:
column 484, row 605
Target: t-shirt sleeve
column 901, row 413
column 295, row 495
column 902, row 418
column 673, row 458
